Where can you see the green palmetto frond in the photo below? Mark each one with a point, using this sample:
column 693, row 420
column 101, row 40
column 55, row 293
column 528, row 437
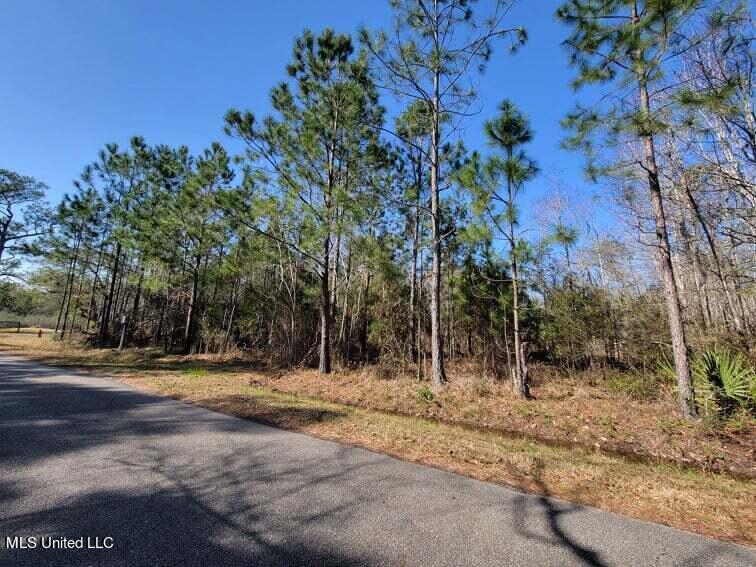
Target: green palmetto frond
column 723, row 380
column 727, row 377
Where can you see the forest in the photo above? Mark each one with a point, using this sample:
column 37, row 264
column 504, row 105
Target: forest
column 354, row 228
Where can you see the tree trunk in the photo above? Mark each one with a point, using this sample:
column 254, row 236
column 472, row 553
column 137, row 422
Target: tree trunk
column 345, row 306
column 70, row 288
column 365, row 319
column 413, row 274
column 65, row 296
column 714, row 253
column 676, row 326
column 135, row 307
column 735, row 270
column 105, row 323
column 519, row 378
column 189, row 333
column 77, row 304
column 324, row 365
column 161, row 318
column 438, row 375
column 230, row 326
column 124, row 326
column 95, row 278
column 335, row 270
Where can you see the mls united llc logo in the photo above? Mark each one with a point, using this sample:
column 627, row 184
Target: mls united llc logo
column 44, row 542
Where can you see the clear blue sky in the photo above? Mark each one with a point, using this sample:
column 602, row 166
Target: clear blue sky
column 77, row 75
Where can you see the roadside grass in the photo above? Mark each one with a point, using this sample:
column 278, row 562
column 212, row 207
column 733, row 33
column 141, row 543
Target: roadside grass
column 26, row 330
column 72, row 353
column 196, row 372
column 399, row 421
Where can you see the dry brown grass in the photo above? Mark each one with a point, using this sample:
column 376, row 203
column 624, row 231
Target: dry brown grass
column 575, row 410
column 568, row 409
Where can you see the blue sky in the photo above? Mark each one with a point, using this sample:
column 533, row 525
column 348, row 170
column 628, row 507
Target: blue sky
column 77, row 75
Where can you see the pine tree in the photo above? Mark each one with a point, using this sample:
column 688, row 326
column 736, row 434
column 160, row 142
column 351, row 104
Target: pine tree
column 429, row 56
column 630, row 45
column 307, row 155
column 495, row 184
column 121, row 177
column 414, row 131
column 23, row 214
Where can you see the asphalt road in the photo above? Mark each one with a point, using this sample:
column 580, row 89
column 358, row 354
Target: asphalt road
column 174, row 484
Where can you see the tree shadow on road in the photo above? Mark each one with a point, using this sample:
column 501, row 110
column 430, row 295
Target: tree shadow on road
column 553, row 511
column 72, row 411
column 165, row 528
column 191, row 507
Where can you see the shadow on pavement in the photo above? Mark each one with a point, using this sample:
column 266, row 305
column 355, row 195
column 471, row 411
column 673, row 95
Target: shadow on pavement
column 554, row 511
column 188, row 508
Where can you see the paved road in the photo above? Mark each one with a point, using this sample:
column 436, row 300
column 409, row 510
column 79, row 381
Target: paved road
column 174, row 484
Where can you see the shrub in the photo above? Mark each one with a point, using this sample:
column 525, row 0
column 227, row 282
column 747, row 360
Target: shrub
column 196, row 372
column 425, row 394
column 481, row 387
column 639, row 386
column 723, row 381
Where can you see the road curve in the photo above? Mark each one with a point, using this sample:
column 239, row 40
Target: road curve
column 174, row 484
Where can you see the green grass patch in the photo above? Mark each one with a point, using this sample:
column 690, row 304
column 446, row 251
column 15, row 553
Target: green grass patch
column 196, row 372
